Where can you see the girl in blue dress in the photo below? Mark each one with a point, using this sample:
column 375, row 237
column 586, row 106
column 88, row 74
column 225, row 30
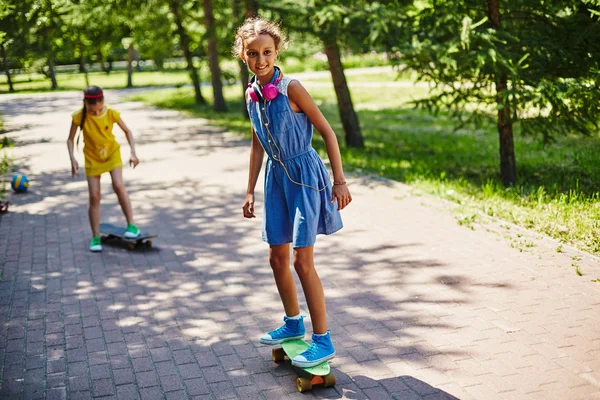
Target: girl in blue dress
column 300, row 201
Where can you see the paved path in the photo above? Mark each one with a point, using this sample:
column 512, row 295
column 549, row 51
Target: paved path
column 420, row 306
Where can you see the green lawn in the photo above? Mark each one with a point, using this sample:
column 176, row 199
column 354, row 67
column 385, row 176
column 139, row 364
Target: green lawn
column 559, row 185
column 114, row 80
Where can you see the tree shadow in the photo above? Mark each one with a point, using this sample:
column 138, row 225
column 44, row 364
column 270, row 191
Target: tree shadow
column 182, row 319
column 185, row 316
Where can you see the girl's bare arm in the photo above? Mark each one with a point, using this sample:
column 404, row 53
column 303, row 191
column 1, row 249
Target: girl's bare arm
column 71, row 141
column 256, row 159
column 301, row 99
column 133, row 157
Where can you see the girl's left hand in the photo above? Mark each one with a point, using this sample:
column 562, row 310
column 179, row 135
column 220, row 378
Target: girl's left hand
column 342, row 195
column 133, row 160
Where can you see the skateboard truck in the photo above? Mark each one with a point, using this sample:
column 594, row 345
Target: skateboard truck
column 318, row 375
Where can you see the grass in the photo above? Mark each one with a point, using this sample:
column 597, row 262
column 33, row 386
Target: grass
column 114, row 80
column 5, row 163
column 558, row 192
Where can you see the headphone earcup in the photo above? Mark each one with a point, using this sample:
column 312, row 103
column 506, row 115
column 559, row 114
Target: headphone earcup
column 252, row 94
column 270, row 91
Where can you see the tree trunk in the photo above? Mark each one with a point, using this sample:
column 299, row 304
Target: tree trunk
column 159, row 62
column 508, row 165
column 251, row 8
column 138, row 64
column 245, row 80
column 82, row 67
column 7, row 68
column 52, row 71
column 185, row 46
column 347, row 114
column 81, row 56
column 244, row 75
column 213, row 58
column 130, row 55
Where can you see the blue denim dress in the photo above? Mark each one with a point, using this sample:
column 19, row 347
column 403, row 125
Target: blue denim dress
column 297, row 186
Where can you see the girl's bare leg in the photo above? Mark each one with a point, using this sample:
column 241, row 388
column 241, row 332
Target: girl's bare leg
column 313, row 289
column 279, row 257
column 94, row 204
column 121, row 192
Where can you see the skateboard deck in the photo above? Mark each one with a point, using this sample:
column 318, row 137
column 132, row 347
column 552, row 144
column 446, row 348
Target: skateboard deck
column 318, row 375
column 110, row 231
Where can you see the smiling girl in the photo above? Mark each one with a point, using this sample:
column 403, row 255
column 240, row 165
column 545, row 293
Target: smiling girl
column 300, row 201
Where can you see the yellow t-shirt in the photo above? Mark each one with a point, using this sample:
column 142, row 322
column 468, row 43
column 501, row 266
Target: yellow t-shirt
column 101, row 150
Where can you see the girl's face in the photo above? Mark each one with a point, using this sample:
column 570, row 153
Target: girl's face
column 260, row 55
column 95, row 109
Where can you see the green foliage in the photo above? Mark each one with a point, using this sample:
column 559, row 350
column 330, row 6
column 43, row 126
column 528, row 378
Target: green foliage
column 545, row 50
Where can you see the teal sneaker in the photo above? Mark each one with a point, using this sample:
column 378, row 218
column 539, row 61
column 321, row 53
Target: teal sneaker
column 132, row 231
column 319, row 351
column 96, row 244
column 292, row 329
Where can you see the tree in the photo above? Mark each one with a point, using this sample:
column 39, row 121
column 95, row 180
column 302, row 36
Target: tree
column 153, row 33
column 213, row 57
column 329, row 27
column 244, row 75
column 130, row 57
column 184, row 40
column 326, row 22
column 531, row 62
column 6, row 67
column 8, row 33
column 251, row 7
column 508, row 165
column 48, row 21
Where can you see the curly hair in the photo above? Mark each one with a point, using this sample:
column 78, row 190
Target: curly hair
column 256, row 26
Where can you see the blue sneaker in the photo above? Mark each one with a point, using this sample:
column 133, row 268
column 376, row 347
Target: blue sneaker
column 292, row 329
column 319, row 351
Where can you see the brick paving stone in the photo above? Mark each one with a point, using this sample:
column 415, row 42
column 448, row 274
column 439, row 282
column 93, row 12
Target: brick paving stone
column 196, row 386
column 153, row 393
column 223, row 390
column 102, row 387
column 147, row 379
column 79, row 383
column 128, row 391
column 56, row 394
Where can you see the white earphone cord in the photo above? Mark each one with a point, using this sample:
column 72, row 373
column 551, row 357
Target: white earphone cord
column 278, row 158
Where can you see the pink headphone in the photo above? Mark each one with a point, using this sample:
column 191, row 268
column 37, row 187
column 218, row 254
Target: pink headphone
column 269, row 92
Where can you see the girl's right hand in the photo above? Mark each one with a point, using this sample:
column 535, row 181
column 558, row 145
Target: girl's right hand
column 248, row 206
column 74, row 168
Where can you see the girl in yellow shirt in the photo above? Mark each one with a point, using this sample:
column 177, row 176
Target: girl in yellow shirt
column 102, row 154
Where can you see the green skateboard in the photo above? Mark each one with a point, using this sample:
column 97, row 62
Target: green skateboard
column 318, row 375
column 110, row 231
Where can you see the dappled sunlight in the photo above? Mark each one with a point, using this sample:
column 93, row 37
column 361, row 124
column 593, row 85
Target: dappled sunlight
column 130, row 321
column 116, row 307
column 206, row 286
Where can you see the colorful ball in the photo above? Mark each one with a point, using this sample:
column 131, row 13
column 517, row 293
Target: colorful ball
column 19, row 183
